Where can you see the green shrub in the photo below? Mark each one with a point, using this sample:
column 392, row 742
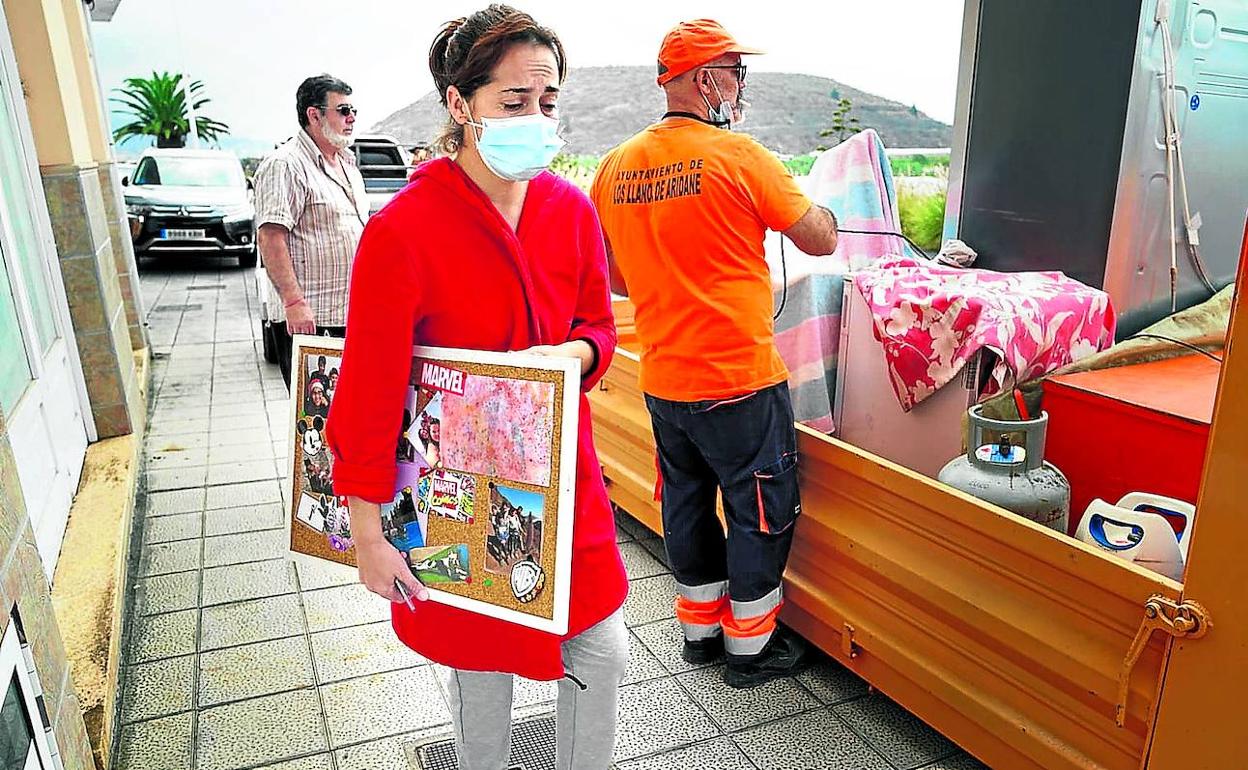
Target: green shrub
column 800, row 165
column 922, row 218
column 919, row 165
column 577, row 169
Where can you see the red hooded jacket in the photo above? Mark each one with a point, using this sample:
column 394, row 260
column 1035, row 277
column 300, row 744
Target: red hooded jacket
column 440, row 266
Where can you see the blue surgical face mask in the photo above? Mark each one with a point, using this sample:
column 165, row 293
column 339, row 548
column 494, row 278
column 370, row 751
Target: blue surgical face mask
column 519, row 148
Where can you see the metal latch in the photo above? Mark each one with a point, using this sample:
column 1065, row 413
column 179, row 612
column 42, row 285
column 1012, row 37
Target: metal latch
column 1186, row 620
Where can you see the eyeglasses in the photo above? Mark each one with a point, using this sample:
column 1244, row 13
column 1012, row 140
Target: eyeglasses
column 342, row 109
column 738, row 69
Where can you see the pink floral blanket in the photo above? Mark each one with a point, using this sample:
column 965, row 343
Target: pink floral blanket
column 931, row 319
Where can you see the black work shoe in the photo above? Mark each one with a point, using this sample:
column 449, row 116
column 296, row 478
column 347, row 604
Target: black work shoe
column 703, row 651
column 784, row 655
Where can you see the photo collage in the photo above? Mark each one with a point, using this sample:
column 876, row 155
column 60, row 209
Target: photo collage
column 473, row 455
column 316, row 505
column 477, row 495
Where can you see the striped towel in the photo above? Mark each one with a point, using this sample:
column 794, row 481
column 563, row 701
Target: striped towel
column 855, row 181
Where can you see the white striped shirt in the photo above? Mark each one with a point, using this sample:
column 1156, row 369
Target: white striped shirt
column 295, row 189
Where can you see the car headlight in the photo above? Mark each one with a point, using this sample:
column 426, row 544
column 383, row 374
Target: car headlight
column 136, row 209
column 239, row 212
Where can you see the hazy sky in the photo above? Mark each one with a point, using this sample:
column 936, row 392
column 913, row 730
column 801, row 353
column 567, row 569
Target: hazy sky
column 252, row 54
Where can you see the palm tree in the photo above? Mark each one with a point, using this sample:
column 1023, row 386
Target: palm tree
column 158, row 106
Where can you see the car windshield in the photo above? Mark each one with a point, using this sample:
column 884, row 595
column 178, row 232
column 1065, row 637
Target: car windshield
column 190, row 172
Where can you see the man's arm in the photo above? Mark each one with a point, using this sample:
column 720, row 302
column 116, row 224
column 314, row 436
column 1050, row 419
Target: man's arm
column 274, row 243
column 815, row 232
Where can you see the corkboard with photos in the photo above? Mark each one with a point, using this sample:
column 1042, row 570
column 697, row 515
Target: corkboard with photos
column 485, row 448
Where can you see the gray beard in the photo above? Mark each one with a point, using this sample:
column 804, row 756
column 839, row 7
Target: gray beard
column 339, row 141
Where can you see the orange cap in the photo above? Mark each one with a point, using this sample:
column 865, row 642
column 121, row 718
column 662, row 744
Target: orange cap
column 693, row 43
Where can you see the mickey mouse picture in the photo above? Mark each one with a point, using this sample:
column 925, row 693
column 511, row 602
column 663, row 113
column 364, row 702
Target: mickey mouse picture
column 310, row 431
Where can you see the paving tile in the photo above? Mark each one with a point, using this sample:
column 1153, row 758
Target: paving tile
column 665, row 639
column 179, row 526
column 342, row 606
column 180, row 459
column 901, row 737
column 158, row 744
column 158, row 689
column 239, row 409
column 163, row 636
column 832, row 683
column 816, row 739
column 315, row 573
column 166, row 427
column 259, row 731
column 657, row 716
column 240, row 436
column 389, row 753
column 622, row 535
column 255, row 580
column 650, row 599
column 630, row 525
column 639, row 563
column 162, row 558
column 252, row 670
column 240, row 421
column 239, row 472
column 225, row 455
column 382, row 704
column 239, row 388
column 529, row 696
column 359, row 651
column 236, row 495
column 244, row 547
column 175, row 442
column 249, row 518
column 718, row 753
column 642, row 665
column 654, row 545
column 315, row 762
column 168, row 503
column 176, row 478
column 258, row 620
column 738, row 709
column 167, row 593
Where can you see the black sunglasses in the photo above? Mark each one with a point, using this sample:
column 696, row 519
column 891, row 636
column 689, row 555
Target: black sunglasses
column 739, row 69
column 342, row 109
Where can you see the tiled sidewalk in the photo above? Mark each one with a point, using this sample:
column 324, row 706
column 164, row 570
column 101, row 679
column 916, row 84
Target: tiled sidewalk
column 236, row 659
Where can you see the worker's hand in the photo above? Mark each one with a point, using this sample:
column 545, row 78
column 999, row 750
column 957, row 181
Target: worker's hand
column 299, row 318
column 380, row 564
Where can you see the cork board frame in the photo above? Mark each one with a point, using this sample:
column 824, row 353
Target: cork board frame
column 486, row 459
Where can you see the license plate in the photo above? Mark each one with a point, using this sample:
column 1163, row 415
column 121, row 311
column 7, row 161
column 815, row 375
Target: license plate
column 181, row 235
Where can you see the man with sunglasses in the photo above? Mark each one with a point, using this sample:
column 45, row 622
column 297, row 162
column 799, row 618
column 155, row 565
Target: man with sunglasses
column 685, row 205
column 311, row 207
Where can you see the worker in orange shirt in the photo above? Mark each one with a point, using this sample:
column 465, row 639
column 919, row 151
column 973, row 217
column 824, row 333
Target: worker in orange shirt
column 685, row 205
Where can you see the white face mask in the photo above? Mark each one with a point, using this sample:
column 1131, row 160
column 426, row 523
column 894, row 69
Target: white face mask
column 517, row 149
column 724, row 116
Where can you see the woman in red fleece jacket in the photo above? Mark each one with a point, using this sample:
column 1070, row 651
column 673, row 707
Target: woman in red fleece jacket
column 472, row 255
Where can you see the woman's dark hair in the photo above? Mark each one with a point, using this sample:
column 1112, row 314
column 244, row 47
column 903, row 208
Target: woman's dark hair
column 466, row 50
column 314, row 92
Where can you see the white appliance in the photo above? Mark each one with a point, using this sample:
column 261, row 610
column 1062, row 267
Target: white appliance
column 866, row 410
column 1138, row 529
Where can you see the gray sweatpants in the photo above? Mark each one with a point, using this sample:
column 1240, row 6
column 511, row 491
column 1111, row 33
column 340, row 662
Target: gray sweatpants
column 585, row 720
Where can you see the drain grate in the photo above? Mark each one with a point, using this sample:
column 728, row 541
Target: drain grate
column 206, row 287
column 532, row 748
column 177, row 308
